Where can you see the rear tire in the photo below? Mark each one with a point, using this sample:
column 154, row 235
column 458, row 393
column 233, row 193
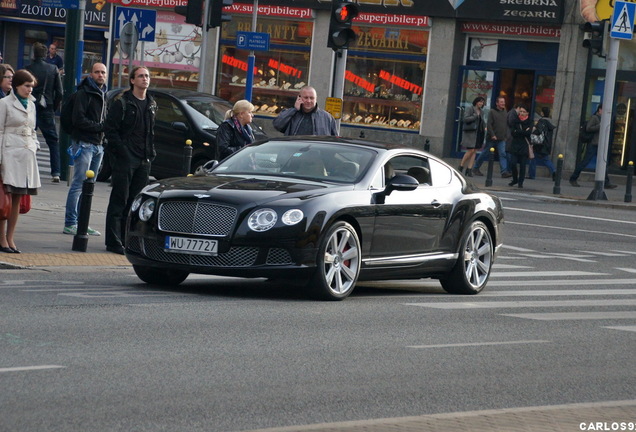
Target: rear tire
column 472, row 270
column 338, row 263
column 157, row 276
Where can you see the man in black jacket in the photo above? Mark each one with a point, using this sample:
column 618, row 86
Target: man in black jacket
column 86, row 150
column 130, row 127
column 305, row 118
column 48, row 96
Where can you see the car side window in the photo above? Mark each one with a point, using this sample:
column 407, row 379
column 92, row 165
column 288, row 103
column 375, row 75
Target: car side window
column 168, row 111
column 441, row 175
column 414, row 166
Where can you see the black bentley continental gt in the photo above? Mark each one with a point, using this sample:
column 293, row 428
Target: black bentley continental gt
column 324, row 211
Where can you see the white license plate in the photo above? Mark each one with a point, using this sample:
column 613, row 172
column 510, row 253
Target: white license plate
column 191, row 245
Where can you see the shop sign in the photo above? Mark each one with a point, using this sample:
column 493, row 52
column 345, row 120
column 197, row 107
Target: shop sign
column 527, row 30
column 38, row 11
column 530, row 11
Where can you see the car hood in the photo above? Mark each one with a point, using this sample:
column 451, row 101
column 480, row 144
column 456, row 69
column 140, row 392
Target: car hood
column 241, row 188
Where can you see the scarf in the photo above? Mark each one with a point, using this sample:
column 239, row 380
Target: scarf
column 245, row 133
column 523, row 117
column 23, row 101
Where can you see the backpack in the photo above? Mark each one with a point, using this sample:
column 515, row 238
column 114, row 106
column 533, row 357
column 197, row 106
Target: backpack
column 66, row 114
column 584, row 135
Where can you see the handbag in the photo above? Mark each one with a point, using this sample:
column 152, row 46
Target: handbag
column 25, row 203
column 537, row 138
column 5, row 202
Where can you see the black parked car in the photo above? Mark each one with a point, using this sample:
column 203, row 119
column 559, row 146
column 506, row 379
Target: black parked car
column 183, row 115
column 324, row 211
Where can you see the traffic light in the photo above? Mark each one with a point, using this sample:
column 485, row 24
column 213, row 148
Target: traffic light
column 193, row 12
column 216, row 17
column 595, row 37
column 340, row 32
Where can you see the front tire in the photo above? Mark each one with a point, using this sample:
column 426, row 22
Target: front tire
column 157, row 276
column 472, row 270
column 338, row 263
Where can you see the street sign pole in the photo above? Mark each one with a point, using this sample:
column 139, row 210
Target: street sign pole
column 606, row 117
column 621, row 27
column 338, row 81
column 251, row 58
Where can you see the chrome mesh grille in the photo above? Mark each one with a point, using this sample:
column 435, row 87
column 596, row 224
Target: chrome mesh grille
column 277, row 256
column 192, row 217
column 235, row 257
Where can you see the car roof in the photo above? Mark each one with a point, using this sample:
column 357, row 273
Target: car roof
column 377, row 145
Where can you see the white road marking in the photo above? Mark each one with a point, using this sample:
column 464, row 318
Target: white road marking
column 30, row 368
column 479, row 344
column 546, row 274
column 510, row 266
column 560, row 228
column 628, row 270
column 553, row 293
column 524, row 304
column 115, row 294
column 576, row 216
column 573, row 282
column 623, row 328
column 568, row 316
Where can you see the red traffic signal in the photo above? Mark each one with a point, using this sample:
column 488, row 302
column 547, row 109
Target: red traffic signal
column 346, row 12
column 340, row 32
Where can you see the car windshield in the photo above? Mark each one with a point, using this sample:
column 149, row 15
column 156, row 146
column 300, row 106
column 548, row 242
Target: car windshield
column 305, row 159
column 205, row 112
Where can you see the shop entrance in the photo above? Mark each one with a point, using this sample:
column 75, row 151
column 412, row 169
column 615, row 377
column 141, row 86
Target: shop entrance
column 533, row 89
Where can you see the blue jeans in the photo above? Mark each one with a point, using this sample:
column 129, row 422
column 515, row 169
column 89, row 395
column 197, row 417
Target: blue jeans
column 540, row 160
column 590, row 152
column 89, row 158
column 485, row 154
column 45, row 121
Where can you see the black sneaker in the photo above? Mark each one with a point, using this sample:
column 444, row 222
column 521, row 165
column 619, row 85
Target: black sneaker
column 506, row 174
column 574, row 183
column 477, row 172
column 610, row 186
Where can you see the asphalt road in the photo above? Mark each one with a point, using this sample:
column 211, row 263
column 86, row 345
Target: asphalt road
column 99, row 350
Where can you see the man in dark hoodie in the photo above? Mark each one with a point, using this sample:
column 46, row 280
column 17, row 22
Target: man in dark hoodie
column 86, row 150
column 48, row 95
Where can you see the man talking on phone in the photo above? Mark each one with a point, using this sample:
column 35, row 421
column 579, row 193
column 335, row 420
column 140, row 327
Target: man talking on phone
column 305, row 118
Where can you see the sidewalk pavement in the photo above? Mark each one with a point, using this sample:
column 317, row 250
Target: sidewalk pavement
column 39, row 233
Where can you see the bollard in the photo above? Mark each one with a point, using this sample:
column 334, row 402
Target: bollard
column 628, row 182
column 187, row 157
column 427, row 145
column 491, row 161
column 362, row 134
column 80, row 240
column 557, row 179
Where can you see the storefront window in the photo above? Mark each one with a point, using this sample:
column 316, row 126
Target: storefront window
column 278, row 73
column 384, row 78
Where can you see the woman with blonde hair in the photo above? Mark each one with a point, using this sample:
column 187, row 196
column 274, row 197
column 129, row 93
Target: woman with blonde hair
column 18, row 144
column 235, row 132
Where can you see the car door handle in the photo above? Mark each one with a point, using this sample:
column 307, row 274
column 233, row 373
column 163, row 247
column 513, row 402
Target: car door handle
column 436, row 204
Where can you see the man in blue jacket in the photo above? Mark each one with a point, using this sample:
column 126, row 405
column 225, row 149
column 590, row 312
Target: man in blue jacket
column 86, row 150
column 306, row 118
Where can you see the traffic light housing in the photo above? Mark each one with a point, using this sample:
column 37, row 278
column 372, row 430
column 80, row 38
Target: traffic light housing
column 193, row 12
column 216, row 17
column 340, row 32
column 595, row 37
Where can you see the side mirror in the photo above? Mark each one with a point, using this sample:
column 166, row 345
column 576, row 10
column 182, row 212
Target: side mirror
column 179, row 126
column 400, row 182
column 205, row 169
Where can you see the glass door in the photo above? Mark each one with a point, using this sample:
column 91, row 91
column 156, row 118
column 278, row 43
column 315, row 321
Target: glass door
column 473, row 82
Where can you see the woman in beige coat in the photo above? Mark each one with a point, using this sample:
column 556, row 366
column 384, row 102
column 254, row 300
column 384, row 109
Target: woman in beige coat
column 18, row 144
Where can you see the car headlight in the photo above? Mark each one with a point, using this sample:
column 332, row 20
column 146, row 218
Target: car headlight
column 136, row 203
column 292, row 217
column 262, row 219
column 146, row 210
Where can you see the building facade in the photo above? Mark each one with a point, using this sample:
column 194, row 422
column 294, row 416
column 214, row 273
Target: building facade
column 413, row 69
